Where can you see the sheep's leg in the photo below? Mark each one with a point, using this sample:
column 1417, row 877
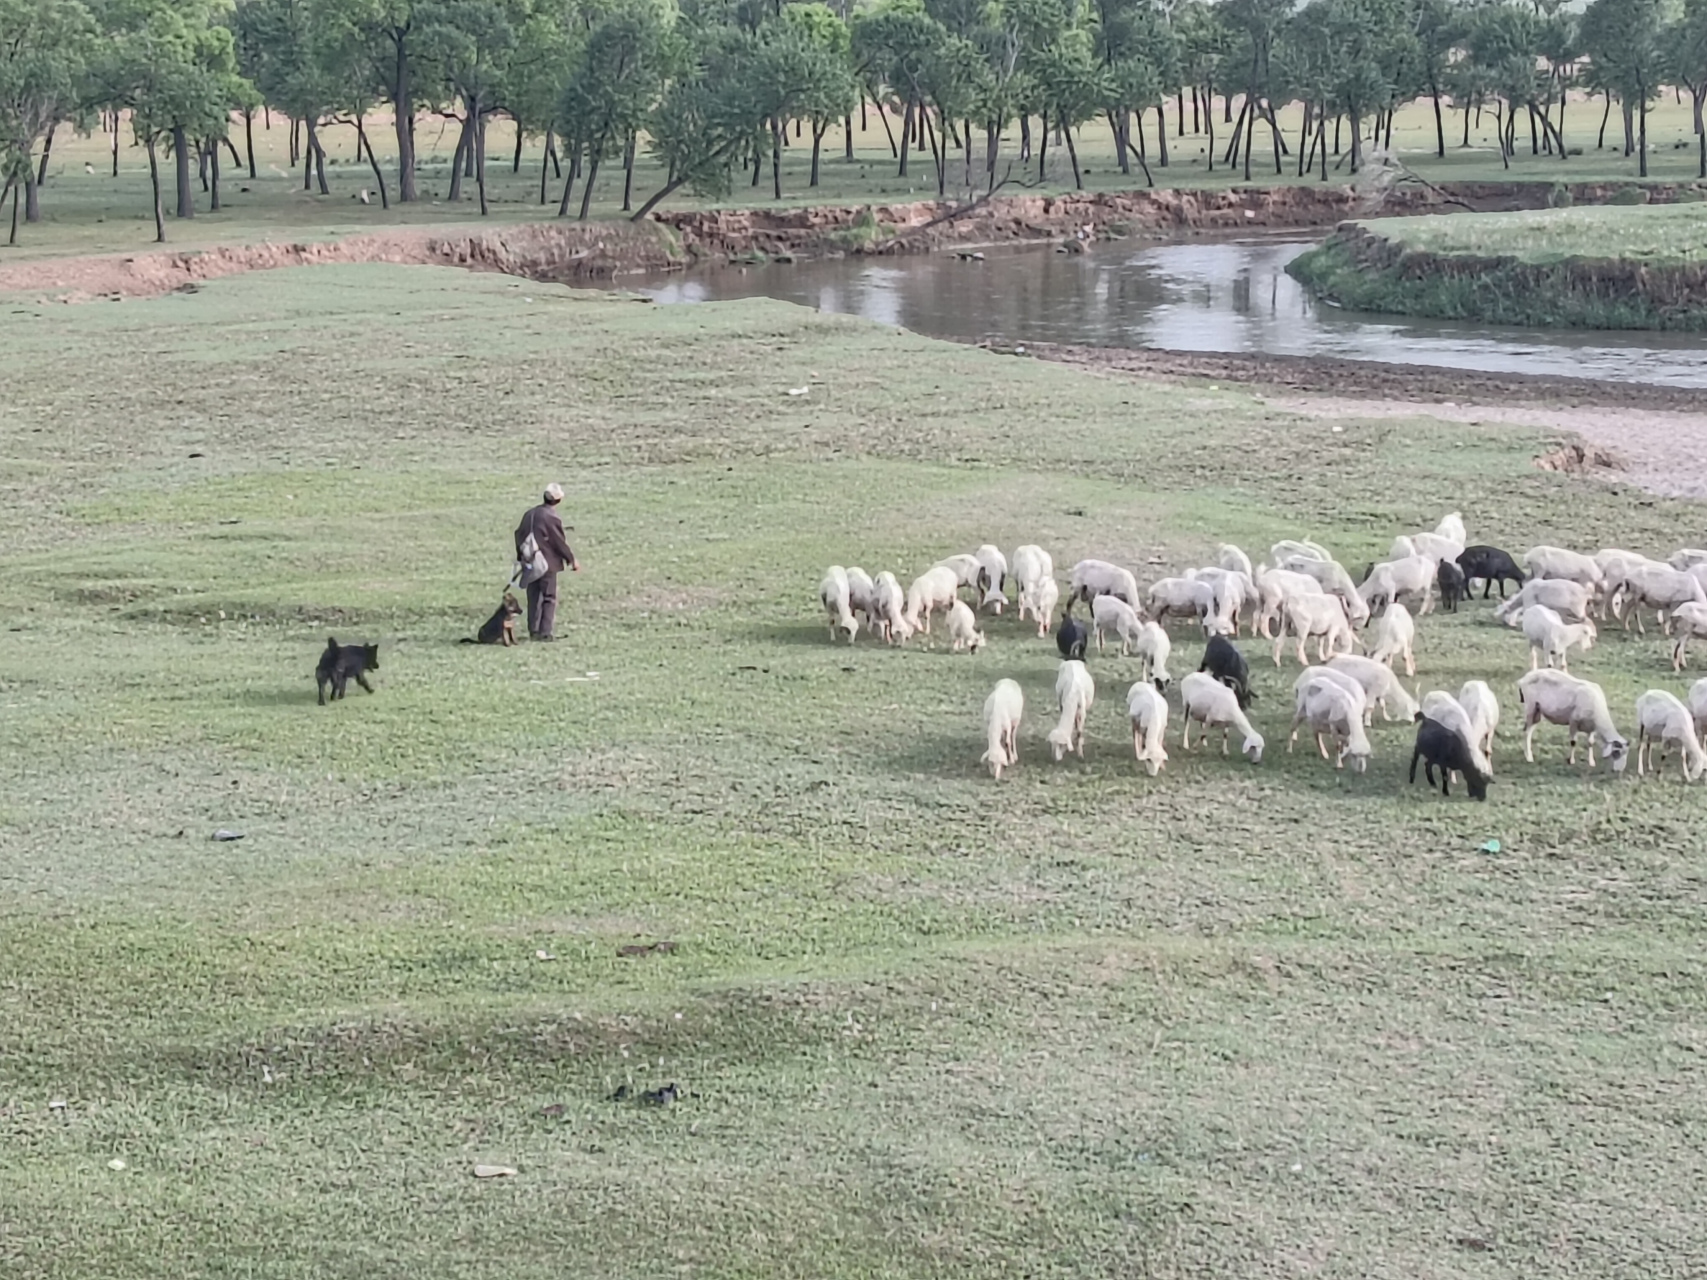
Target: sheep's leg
column 1320, row 746
column 1223, row 739
column 1529, row 740
column 1185, row 733
column 1640, row 629
column 1302, row 660
column 1410, row 663
column 1572, row 757
column 1294, row 738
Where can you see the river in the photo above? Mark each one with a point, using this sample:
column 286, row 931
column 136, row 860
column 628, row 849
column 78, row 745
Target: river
column 1201, row 295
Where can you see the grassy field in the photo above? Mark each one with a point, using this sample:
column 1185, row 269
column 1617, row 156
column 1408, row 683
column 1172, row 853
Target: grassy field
column 86, row 212
column 1231, row 1021
column 1655, row 235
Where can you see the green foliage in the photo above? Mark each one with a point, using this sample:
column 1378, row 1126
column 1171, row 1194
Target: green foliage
column 45, row 47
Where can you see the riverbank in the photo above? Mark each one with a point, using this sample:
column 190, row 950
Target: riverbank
column 1620, row 267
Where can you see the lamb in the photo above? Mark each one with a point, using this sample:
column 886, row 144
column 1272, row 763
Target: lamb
column 1181, row 596
column 1148, row 711
column 1570, row 600
column 1556, row 562
column 1395, row 636
column 1438, row 746
column 1490, row 564
column 1380, row 685
column 1453, row 586
column 833, row 595
column 1320, row 616
column 1551, row 635
column 1110, row 613
column 935, row 588
column 1274, row 588
column 888, row 609
column 1560, row 698
column 1689, row 622
column 1074, row 693
column 1153, row 648
column 1212, row 703
column 1442, row 708
column 1070, row 638
column 1483, row 708
column 1334, row 580
column 1032, row 567
column 1002, row 712
column 1333, row 703
column 995, row 566
column 1230, row 557
column 1387, row 581
column 1662, row 588
column 860, row 588
column 1092, row 578
column 1452, row 526
column 1044, row 605
column 1662, row 718
column 1223, row 661
column 963, row 628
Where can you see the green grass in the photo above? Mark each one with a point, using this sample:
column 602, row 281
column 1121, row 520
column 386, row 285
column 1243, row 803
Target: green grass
column 1654, row 235
column 95, row 212
column 1230, row 1021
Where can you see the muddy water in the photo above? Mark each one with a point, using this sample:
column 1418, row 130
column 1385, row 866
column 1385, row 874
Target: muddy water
column 1197, row 296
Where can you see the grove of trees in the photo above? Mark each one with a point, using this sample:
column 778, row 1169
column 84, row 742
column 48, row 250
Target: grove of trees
column 715, row 90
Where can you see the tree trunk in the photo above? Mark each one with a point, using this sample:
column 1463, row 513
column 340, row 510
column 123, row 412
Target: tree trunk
column 13, row 238
column 115, row 144
column 201, row 163
column 249, row 138
column 569, row 184
column 939, row 153
column 628, row 175
column 1701, row 143
column 478, row 112
column 1642, row 138
column 516, row 161
column 1072, row 153
column 46, row 151
column 1179, row 110
column 1042, row 147
column 1227, row 109
column 1439, row 123
column 1139, row 152
column 363, row 142
column 884, row 117
column 307, row 169
column 906, row 137
column 403, row 107
column 1338, row 117
column 1604, row 117
column 847, row 133
column 817, row 146
column 32, row 194
column 1322, row 138
column 992, row 140
column 1122, row 142
column 1356, row 140
column 1209, row 121
column 592, row 177
column 778, row 129
column 154, row 181
column 213, row 178
column 1196, row 125
column 544, row 164
column 1161, row 136
column 464, row 144
column 1274, row 132
column 1025, row 139
column 1534, row 140
column 1629, row 127
column 1231, row 158
column 295, row 149
column 1304, row 161
column 181, row 158
column 317, row 154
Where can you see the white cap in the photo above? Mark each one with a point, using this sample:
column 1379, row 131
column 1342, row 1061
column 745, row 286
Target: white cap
column 554, row 492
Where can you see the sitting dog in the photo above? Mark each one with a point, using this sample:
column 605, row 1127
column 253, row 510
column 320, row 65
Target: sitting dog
column 341, row 661
column 500, row 628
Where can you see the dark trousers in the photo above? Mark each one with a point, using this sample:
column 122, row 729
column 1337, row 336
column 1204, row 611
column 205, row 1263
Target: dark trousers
column 542, row 606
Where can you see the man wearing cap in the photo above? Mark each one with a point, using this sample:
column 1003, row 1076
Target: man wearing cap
column 547, row 530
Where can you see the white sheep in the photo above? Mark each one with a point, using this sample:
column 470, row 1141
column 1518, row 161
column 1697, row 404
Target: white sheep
column 1148, row 712
column 1074, row 693
column 1662, row 588
column 1452, row 526
column 1182, row 596
column 963, row 628
column 1212, row 703
column 1551, row 636
column 1395, row 637
column 1689, row 622
column 1432, row 545
column 1092, row 578
column 889, row 609
column 860, row 593
column 1286, row 547
column 833, row 596
column 1662, row 718
column 936, row 588
column 1032, row 565
column 1570, row 600
column 1333, row 579
column 1441, row 707
column 1616, row 568
column 1274, row 588
column 1556, row 562
column 1380, row 686
column 1344, row 679
column 1688, row 558
column 1483, row 708
column 1044, row 603
column 1698, row 705
column 1320, row 616
column 1111, row 613
column 1230, row 557
column 968, row 572
column 1232, row 590
column 1153, row 647
column 1580, row 705
column 995, row 564
column 1333, row 704
column 1003, row 710
column 1387, row 581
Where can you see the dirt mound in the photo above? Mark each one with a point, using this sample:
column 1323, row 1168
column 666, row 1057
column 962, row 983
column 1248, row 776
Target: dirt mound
column 1579, row 459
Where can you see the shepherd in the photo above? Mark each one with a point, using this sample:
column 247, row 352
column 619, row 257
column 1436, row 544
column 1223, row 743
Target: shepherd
column 541, row 552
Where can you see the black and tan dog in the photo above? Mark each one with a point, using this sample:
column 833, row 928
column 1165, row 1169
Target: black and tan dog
column 500, row 628
column 340, row 662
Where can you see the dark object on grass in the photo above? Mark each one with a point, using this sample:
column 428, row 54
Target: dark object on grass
column 1438, row 746
column 500, row 628
column 621, row 1094
column 342, row 661
column 660, row 1097
column 1070, row 639
column 1222, row 659
column 1450, row 579
column 1488, row 564
column 660, row 948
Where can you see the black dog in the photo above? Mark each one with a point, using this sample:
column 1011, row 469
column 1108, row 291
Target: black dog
column 1488, row 564
column 1439, row 746
column 500, row 628
column 1070, row 638
column 340, row 662
column 1453, row 587
column 1222, row 659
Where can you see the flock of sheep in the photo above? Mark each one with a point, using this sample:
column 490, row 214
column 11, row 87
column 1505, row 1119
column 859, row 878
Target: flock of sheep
column 1306, row 596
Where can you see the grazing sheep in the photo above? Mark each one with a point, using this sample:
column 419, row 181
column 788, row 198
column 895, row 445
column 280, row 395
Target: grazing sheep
column 1070, row 638
column 889, row 609
column 1617, row 567
column 1212, row 703
column 1386, row 582
column 968, row 571
column 1230, row 557
column 963, row 628
column 1230, row 592
column 1453, row 587
column 833, row 595
column 860, row 590
column 1333, row 579
column 1452, row 526
column 1395, row 637
column 1491, row 565
column 1698, row 705
column 1032, row 567
column 1442, row 708
column 1662, row 718
column 1181, row 596
column 1320, row 616
column 1274, row 588
column 1148, row 711
column 1483, row 708
column 1092, row 578
column 1689, row 622
column 1579, row 705
column 1551, row 635
column 1432, row 545
column 1688, row 558
column 1074, row 693
column 936, row 588
column 995, row 566
column 1223, row 661
column 1286, row 548
column 1570, row 600
column 1380, row 685
column 1662, row 588
column 1440, row 747
column 1556, row 562
column 1332, row 702
column 1044, row 605
column 1341, row 678
column 1002, row 712
column 1153, row 647
column 1111, row 613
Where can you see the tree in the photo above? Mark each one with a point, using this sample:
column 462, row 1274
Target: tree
column 1626, row 40
column 385, row 32
column 1439, row 28
column 44, row 51
column 897, row 39
column 1688, row 66
column 1368, row 43
column 629, row 50
column 471, row 43
column 293, row 62
column 1140, row 57
column 826, row 54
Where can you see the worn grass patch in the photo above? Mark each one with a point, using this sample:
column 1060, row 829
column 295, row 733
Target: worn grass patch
column 1230, row 1021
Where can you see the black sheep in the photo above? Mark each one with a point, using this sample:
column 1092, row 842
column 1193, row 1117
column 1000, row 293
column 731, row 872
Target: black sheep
column 1438, row 746
column 1070, row 638
column 1453, row 587
column 1222, row 659
column 1488, row 564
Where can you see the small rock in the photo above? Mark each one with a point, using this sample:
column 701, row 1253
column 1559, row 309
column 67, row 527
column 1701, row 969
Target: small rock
column 223, row 834
column 493, row 1171
column 798, row 391
column 57, row 1104
column 117, row 1166
column 543, row 955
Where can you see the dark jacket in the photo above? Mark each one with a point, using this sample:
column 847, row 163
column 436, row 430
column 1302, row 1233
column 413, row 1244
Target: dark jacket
column 543, row 522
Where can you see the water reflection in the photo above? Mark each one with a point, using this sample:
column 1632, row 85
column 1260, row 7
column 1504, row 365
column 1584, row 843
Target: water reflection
column 1197, row 296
